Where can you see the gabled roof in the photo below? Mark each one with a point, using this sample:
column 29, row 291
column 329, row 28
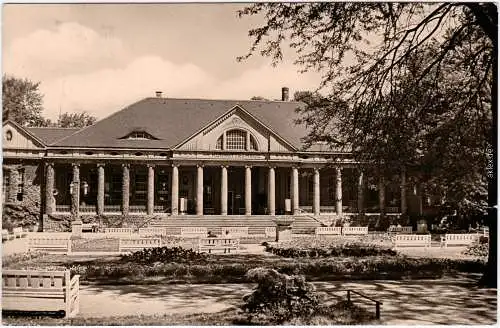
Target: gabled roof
column 24, row 130
column 174, row 120
column 51, row 135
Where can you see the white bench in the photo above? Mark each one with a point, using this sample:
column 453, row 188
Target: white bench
column 328, row 231
column 234, row 232
column 270, row 232
column 403, row 230
column 152, row 231
column 412, row 240
column 26, row 290
column 119, row 232
column 451, row 239
column 218, row 244
column 138, row 244
column 18, row 232
column 349, row 231
column 55, row 241
column 194, row 232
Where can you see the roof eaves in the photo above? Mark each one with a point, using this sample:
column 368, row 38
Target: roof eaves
column 25, row 130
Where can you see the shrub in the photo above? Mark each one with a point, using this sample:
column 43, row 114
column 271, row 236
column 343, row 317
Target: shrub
column 19, row 258
column 477, row 249
column 279, row 297
column 163, row 254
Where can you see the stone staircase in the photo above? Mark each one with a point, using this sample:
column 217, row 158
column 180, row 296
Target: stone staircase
column 305, row 224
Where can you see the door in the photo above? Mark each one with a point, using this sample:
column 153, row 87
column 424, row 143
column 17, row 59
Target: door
column 230, row 203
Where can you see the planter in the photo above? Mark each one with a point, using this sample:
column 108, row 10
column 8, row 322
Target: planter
column 284, row 228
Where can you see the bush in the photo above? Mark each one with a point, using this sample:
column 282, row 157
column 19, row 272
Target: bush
column 478, row 249
column 19, row 258
column 279, row 297
column 163, row 254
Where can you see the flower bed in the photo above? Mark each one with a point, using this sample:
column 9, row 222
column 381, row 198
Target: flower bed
column 327, row 248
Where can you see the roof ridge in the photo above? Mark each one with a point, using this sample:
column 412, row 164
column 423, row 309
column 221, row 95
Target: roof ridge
column 52, row 127
column 228, row 100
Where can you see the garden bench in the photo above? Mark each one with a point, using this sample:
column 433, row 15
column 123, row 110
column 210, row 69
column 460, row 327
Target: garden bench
column 346, row 231
column 403, row 230
column 412, row 240
column 218, row 244
column 194, row 231
column 18, row 232
column 235, row 231
column 119, row 231
column 39, row 290
column 451, row 239
column 152, row 231
column 270, row 232
column 138, row 244
column 56, row 241
column 328, row 231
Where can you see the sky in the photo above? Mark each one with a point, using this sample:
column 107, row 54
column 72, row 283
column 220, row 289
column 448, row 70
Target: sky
column 100, row 58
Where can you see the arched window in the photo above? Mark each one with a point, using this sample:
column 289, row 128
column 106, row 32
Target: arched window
column 236, row 139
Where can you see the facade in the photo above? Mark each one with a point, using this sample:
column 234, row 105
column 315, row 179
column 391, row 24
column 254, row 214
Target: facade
column 173, row 157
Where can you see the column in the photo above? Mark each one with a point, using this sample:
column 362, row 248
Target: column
column 248, row 190
column 338, row 190
column 13, row 185
column 125, row 189
column 361, row 196
column 151, row 189
column 175, row 190
column 404, row 208
column 223, row 191
column 75, row 192
column 295, row 190
column 316, row 199
column 49, row 188
column 199, row 190
column 271, row 192
column 100, row 189
column 381, row 195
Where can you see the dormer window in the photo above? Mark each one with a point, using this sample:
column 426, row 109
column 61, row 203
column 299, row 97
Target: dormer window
column 139, row 135
column 236, row 139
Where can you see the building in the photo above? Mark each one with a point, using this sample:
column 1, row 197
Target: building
column 172, row 157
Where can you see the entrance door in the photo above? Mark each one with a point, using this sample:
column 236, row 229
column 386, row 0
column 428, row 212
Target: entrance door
column 230, row 203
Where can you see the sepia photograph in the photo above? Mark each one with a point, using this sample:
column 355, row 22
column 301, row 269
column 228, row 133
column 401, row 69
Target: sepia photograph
column 267, row 163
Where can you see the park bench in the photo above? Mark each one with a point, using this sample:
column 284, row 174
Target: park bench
column 152, row 231
column 350, row 231
column 54, row 241
column 451, row 239
column 337, row 231
column 412, row 240
column 403, row 230
column 119, row 232
column 194, row 231
column 234, row 232
column 18, row 232
column 218, row 244
column 39, row 290
column 137, row 244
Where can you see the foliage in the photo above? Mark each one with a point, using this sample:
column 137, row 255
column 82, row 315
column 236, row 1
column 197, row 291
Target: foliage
column 279, row 297
column 9, row 260
column 164, row 255
column 479, row 248
column 75, row 120
column 327, row 248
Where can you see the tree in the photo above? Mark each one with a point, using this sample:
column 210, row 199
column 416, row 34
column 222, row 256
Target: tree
column 411, row 85
column 22, row 101
column 75, row 120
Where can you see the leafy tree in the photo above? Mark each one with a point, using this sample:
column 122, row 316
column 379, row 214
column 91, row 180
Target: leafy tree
column 411, row 86
column 22, row 101
column 75, row 120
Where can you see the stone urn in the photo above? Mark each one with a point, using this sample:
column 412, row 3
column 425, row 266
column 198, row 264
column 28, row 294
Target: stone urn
column 284, row 228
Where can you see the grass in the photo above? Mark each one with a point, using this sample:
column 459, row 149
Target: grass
column 342, row 313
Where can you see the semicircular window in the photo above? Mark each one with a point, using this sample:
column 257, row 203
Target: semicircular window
column 236, row 139
column 139, row 135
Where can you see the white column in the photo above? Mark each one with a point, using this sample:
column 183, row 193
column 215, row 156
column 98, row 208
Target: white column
column 361, row 196
column 75, row 192
column 248, row 190
column 199, row 190
column 100, row 189
column 338, row 190
column 223, row 191
column 49, row 188
column 295, row 190
column 271, row 192
column 175, row 190
column 151, row 189
column 125, row 189
column 404, row 208
column 316, row 199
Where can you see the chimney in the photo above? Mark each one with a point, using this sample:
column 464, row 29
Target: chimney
column 285, row 94
column 158, row 94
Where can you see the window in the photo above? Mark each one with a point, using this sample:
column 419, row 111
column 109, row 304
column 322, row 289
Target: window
column 236, row 140
column 218, row 145
column 253, row 143
column 8, row 135
column 139, row 135
column 140, row 187
column 20, row 185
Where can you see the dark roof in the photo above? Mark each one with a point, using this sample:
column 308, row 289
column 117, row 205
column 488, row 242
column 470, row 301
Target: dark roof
column 172, row 121
column 51, row 135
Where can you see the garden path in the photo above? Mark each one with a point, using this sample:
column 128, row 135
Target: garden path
column 423, row 302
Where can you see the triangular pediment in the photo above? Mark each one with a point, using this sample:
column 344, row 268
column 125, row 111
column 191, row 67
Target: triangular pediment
column 237, row 118
column 17, row 137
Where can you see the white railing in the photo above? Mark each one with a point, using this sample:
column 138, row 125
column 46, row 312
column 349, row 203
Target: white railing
column 328, row 231
column 53, row 241
column 194, row 231
column 234, row 231
column 218, row 244
column 412, row 240
column 152, row 231
column 354, row 231
column 450, row 239
column 136, row 244
column 63, row 208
